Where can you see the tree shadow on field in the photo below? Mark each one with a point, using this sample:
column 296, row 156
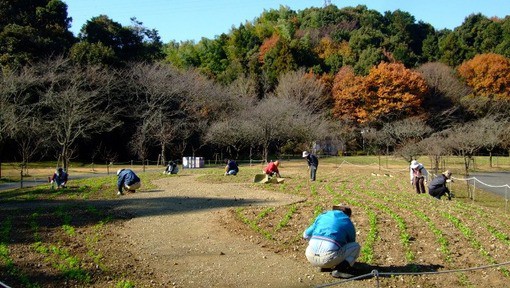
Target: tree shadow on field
column 80, row 213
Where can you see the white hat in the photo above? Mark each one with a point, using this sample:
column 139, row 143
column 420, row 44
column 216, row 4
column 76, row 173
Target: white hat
column 414, row 164
column 118, row 171
column 305, row 154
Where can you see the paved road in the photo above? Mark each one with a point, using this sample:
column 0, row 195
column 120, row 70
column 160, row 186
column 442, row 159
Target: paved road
column 32, row 181
column 487, row 181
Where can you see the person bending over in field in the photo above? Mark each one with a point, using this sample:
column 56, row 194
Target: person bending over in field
column 127, row 180
column 231, row 168
column 332, row 242
column 59, row 178
column 171, row 168
column 437, row 187
column 272, row 169
column 419, row 176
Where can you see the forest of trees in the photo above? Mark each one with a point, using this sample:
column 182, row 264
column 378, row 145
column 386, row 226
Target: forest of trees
column 352, row 77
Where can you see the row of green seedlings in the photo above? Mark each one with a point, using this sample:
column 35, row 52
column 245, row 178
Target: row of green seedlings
column 442, row 240
column 410, row 205
column 444, row 246
column 495, row 231
column 367, row 249
column 462, row 208
column 61, row 258
column 83, row 189
column 253, row 224
column 5, row 257
column 404, row 236
column 469, row 235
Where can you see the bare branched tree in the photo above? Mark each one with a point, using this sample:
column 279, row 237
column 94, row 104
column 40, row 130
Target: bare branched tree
column 465, row 140
column 493, row 128
column 405, row 134
column 19, row 119
column 30, row 139
column 78, row 103
column 304, row 88
column 435, row 148
column 338, row 136
column 445, row 93
column 274, row 121
column 140, row 143
column 160, row 90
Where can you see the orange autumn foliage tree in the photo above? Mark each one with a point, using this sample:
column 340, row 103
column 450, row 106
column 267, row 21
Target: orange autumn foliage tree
column 267, row 45
column 389, row 92
column 488, row 75
column 346, row 90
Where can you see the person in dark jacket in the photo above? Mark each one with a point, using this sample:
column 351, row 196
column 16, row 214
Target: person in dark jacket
column 171, row 168
column 127, row 180
column 437, row 187
column 231, row 168
column 332, row 242
column 60, row 178
column 313, row 164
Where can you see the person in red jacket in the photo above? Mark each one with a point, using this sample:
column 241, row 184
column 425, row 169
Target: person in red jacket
column 272, row 169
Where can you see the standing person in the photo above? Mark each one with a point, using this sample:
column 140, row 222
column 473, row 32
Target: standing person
column 60, row 177
column 437, row 187
column 272, row 169
column 418, row 175
column 332, row 242
column 127, row 180
column 231, row 168
column 313, row 163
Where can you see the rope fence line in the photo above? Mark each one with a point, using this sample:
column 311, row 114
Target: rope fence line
column 476, row 180
column 375, row 273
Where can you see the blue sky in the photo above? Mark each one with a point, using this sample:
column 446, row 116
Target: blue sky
column 194, row 19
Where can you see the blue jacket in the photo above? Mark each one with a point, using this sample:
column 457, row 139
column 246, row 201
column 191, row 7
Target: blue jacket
column 333, row 226
column 126, row 177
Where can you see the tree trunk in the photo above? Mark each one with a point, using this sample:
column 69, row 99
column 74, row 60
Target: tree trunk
column 163, row 157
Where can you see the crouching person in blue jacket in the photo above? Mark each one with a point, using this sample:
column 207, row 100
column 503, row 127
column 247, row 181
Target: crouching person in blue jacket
column 127, row 180
column 332, row 242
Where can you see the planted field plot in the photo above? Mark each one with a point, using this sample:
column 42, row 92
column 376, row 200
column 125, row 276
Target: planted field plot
column 202, row 229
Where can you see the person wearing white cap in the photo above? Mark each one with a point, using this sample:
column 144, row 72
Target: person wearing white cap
column 313, row 163
column 418, row 175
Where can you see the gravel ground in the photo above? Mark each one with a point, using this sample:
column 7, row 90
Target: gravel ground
column 180, row 230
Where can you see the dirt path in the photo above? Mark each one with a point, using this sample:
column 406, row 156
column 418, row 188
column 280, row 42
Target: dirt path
column 180, row 234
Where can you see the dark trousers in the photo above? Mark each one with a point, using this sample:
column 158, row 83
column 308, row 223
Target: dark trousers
column 313, row 172
column 419, row 184
column 439, row 192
